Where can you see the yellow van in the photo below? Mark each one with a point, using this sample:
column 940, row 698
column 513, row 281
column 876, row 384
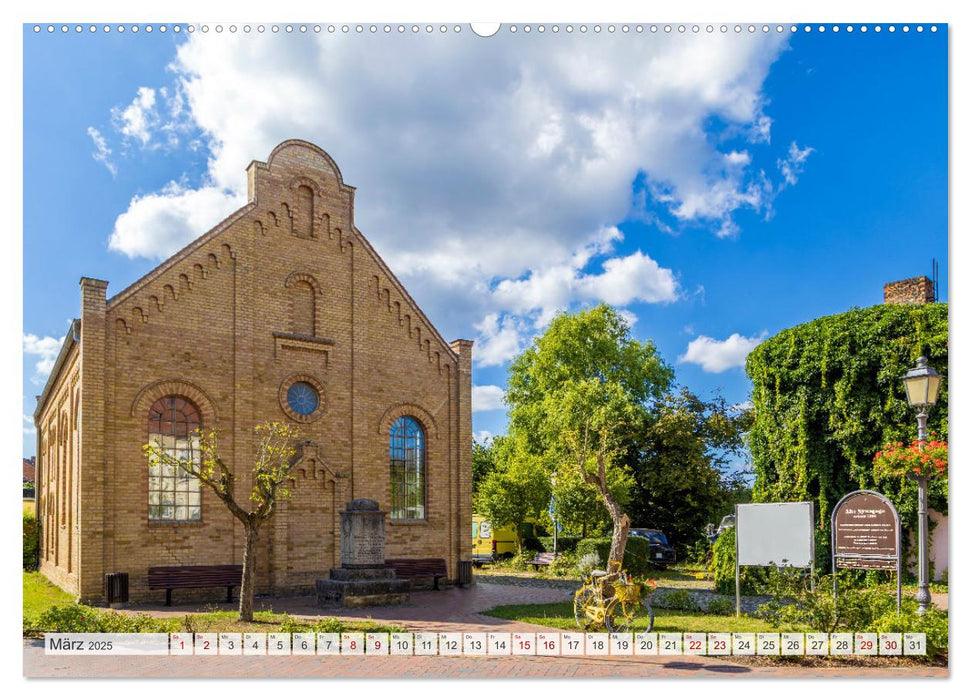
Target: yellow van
column 490, row 544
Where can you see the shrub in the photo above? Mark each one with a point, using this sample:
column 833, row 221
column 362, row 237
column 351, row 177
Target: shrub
column 680, row 599
column 81, row 618
column 699, row 554
column 545, row 544
column 720, row 606
column 31, row 542
column 564, row 564
column 856, row 610
column 637, row 555
column 518, row 562
column 587, row 563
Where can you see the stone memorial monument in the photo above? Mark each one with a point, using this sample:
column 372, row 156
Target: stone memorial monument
column 362, row 578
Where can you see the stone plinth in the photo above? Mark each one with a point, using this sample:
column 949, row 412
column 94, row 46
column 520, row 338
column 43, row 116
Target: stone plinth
column 362, row 578
column 362, row 535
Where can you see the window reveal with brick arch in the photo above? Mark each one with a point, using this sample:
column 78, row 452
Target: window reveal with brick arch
column 173, row 495
column 407, row 469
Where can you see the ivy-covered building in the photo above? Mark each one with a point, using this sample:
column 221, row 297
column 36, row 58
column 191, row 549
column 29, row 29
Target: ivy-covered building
column 827, row 397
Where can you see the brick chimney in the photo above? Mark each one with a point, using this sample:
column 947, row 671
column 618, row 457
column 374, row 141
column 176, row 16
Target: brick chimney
column 916, row 290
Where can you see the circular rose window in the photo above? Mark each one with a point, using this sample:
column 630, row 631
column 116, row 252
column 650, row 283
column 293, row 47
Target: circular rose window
column 302, row 398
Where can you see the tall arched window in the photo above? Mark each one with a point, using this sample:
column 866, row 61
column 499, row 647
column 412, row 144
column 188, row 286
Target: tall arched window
column 407, row 469
column 173, row 495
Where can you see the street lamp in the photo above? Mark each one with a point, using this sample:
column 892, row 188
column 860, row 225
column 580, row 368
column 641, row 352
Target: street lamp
column 921, row 384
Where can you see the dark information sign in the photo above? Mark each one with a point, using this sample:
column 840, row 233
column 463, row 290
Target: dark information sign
column 865, row 532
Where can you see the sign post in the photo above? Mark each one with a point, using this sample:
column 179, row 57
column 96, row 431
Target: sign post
column 866, row 535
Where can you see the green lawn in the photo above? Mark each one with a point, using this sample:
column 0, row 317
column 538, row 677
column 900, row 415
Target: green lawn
column 560, row 615
column 40, row 594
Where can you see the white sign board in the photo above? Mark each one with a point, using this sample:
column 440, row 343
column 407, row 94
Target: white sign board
column 774, row 533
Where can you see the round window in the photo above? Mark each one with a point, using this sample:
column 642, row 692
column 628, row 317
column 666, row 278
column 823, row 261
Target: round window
column 302, row 398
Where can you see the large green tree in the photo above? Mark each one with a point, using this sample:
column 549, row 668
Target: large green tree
column 684, row 474
column 517, row 489
column 827, row 396
column 579, row 394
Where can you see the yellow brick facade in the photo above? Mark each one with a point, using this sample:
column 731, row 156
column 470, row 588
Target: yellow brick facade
column 284, row 289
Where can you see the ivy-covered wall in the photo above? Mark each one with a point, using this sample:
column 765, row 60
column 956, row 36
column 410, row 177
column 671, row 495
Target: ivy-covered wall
column 827, row 396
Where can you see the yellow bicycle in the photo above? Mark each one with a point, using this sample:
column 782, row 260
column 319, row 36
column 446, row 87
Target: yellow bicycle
column 611, row 600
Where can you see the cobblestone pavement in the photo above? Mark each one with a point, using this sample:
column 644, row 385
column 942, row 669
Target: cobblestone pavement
column 450, row 610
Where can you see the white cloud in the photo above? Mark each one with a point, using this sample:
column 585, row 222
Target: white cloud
column 140, row 118
column 628, row 316
column 487, row 398
column 719, row 355
column 482, row 436
column 29, row 427
column 157, row 225
column 510, row 147
column 490, row 175
column 548, row 290
column 743, row 406
column 499, row 340
column 793, row 164
column 103, row 153
column 46, row 348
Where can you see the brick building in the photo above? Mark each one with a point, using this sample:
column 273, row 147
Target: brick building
column 283, row 311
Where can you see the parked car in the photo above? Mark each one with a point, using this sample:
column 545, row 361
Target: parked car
column 727, row 523
column 662, row 553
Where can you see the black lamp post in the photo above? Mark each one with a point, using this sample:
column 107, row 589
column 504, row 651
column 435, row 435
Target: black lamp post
column 922, row 383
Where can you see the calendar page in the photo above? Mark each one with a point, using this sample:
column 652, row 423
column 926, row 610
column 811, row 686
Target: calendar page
column 405, row 346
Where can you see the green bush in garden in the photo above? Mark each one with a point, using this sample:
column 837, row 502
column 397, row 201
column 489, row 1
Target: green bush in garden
column 637, row 556
column 31, row 533
column 720, row 606
column 795, row 601
column 679, row 599
column 81, row 618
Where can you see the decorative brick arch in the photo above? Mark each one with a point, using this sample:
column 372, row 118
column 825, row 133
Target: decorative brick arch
column 175, row 387
column 304, row 181
column 408, row 409
column 295, row 277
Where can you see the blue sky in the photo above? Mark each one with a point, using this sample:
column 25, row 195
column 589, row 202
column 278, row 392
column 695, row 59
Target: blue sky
column 718, row 188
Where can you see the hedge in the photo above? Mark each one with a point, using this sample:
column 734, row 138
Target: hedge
column 31, row 542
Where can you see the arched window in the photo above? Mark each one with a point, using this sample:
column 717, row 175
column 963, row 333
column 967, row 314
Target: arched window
column 173, row 495
column 407, row 469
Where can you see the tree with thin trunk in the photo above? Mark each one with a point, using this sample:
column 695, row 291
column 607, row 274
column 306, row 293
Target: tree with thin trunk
column 271, row 475
column 579, row 395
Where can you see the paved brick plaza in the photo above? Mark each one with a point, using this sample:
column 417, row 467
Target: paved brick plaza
column 452, row 610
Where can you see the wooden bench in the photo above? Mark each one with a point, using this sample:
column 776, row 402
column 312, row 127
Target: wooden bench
column 172, row 577
column 419, row 568
column 542, row 559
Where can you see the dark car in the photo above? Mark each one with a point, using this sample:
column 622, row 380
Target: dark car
column 662, row 553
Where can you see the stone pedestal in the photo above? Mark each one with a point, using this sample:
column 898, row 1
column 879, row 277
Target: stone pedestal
column 362, row 578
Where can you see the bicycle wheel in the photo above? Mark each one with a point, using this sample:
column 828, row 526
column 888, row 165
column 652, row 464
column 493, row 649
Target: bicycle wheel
column 650, row 614
column 586, row 602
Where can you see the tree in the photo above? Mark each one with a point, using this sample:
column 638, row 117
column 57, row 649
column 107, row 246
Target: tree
column 578, row 507
column 271, row 472
column 579, row 394
column 483, row 461
column 682, row 473
column 517, row 489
